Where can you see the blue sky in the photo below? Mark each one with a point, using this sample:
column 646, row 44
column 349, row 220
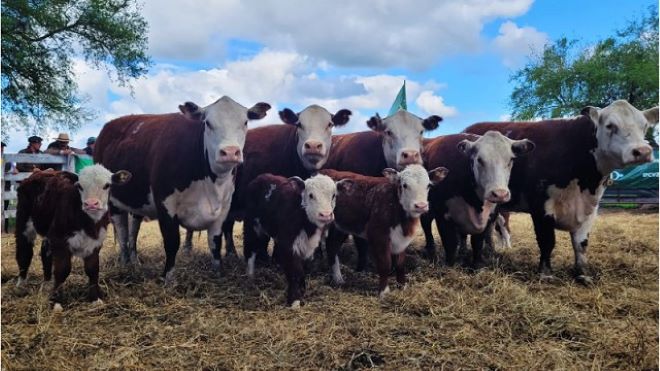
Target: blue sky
column 456, row 56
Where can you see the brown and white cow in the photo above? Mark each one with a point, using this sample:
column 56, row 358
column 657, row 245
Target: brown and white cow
column 71, row 213
column 562, row 181
column 183, row 167
column 478, row 180
column 293, row 212
column 383, row 210
column 299, row 148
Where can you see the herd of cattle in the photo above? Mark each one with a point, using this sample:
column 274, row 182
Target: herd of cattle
column 299, row 185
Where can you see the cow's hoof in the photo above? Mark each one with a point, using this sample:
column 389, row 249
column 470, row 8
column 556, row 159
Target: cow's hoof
column 57, row 308
column 295, row 304
column 97, row 303
column 383, row 294
column 548, row 277
column 169, row 279
column 187, row 250
column 20, row 282
column 404, row 286
column 216, row 264
column 338, row 280
column 584, row 280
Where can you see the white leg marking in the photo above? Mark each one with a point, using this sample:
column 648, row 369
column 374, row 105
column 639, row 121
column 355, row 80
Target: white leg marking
column 57, row 308
column 169, row 277
column 20, row 282
column 295, row 304
column 384, row 293
column 336, row 272
column 250, row 266
column 579, row 240
column 97, row 303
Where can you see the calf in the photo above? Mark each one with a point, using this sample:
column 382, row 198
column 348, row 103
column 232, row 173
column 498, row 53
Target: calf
column 71, row 212
column 384, row 211
column 479, row 171
column 562, row 181
column 295, row 213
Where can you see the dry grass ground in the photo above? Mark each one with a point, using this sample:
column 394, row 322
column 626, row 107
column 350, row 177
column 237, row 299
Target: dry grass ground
column 501, row 317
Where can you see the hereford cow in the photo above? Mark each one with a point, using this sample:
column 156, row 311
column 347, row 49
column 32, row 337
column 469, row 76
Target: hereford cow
column 71, row 213
column 562, row 181
column 383, row 210
column 299, row 148
column 274, row 210
column 393, row 142
column 183, row 167
column 479, row 170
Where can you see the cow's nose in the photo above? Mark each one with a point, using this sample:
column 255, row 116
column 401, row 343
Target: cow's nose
column 642, row 153
column 422, row 206
column 499, row 195
column 327, row 216
column 230, row 154
column 313, row 146
column 409, row 157
column 92, row 203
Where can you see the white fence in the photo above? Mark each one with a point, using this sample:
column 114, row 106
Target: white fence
column 67, row 162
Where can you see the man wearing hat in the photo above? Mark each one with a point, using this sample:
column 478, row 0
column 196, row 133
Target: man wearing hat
column 61, row 147
column 91, row 141
column 34, row 147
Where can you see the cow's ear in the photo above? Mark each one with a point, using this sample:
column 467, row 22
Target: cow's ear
column 391, row 174
column 651, row 115
column 341, row 117
column 438, row 174
column 522, row 147
column 591, row 112
column 191, row 111
column 289, row 117
column 376, row 123
column 258, row 111
column 464, row 146
column 431, row 122
column 121, row 177
column 346, row 186
column 297, row 182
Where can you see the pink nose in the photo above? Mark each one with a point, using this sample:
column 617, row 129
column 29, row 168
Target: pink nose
column 499, row 196
column 409, row 157
column 327, row 216
column 642, row 154
column 92, row 203
column 230, row 154
column 422, row 206
column 313, row 147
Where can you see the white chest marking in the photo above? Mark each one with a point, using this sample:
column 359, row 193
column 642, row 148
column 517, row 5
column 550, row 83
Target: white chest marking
column 148, row 210
column 466, row 217
column 305, row 245
column 571, row 207
column 398, row 240
column 82, row 245
column 202, row 203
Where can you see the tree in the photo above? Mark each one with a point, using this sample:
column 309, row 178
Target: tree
column 41, row 38
column 565, row 78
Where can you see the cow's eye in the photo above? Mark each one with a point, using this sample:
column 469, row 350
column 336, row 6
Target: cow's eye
column 405, row 186
column 79, row 186
column 106, row 186
column 334, row 196
column 208, row 125
column 389, row 133
column 421, row 132
column 246, row 122
column 311, row 196
column 480, row 161
column 613, row 128
column 329, row 125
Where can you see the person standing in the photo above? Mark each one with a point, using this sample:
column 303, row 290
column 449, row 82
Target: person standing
column 61, row 147
column 91, row 141
column 34, row 147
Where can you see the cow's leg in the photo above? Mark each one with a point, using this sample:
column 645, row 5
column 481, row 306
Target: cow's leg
column 544, row 227
column 450, row 239
column 92, row 271
column 61, row 268
column 214, row 235
column 187, row 243
column 362, row 247
column 169, row 228
column 253, row 242
column 46, row 259
column 427, row 226
column 134, row 222
column 295, row 276
column 228, row 232
column 381, row 252
column 477, row 242
column 580, row 240
column 25, row 235
column 332, row 245
column 400, row 265
column 120, row 224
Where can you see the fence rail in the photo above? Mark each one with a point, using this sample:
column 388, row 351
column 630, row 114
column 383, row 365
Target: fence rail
column 11, row 179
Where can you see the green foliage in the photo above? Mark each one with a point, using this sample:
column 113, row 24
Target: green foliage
column 564, row 78
column 40, row 38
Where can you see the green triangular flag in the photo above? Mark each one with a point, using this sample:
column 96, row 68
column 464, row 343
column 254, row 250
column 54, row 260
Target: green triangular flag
column 399, row 101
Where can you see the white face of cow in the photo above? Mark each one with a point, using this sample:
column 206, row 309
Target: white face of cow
column 314, row 125
column 620, row 130
column 319, row 194
column 94, row 184
column 402, row 136
column 225, row 127
column 413, row 184
column 491, row 159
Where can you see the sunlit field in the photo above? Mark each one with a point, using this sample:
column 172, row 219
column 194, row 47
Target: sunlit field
column 501, row 317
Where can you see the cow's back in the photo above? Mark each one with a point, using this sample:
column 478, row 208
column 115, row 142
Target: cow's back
column 360, row 153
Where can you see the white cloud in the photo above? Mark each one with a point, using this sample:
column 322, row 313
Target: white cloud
column 434, row 104
column 342, row 32
column 515, row 44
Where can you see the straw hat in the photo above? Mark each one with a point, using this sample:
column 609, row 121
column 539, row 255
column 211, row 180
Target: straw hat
column 62, row 137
